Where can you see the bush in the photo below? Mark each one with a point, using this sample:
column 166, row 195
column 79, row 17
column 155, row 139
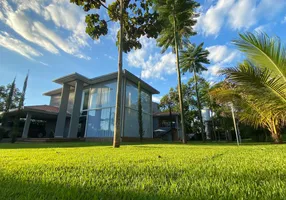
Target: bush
column 2, row 133
column 52, row 134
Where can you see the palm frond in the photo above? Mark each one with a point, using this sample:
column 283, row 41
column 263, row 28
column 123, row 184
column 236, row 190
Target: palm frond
column 264, row 51
column 260, row 80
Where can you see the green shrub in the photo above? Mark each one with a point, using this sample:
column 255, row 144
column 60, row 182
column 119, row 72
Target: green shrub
column 2, row 133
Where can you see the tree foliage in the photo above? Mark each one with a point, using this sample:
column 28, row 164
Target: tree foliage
column 192, row 59
column 257, row 86
column 9, row 97
column 177, row 18
column 139, row 19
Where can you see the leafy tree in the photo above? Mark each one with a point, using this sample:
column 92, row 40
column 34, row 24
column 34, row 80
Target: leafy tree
column 170, row 101
column 4, row 93
column 177, row 20
column 140, row 120
column 136, row 19
column 192, row 59
column 9, row 98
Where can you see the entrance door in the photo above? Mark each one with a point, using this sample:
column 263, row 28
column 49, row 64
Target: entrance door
column 81, row 127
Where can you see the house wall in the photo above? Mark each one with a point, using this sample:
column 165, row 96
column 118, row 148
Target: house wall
column 56, row 99
column 98, row 105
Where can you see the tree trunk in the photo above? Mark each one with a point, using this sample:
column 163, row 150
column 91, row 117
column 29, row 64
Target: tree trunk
column 199, row 107
column 117, row 119
column 184, row 140
column 276, row 136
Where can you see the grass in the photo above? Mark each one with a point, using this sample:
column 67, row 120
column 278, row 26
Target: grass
column 148, row 171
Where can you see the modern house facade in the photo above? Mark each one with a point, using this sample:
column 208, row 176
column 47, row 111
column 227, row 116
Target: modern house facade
column 87, row 106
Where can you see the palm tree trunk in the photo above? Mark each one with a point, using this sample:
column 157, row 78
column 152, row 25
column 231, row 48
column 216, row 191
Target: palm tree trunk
column 199, row 106
column 117, row 119
column 179, row 84
column 276, row 136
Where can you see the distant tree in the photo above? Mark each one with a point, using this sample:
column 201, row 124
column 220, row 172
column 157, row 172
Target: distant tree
column 9, row 98
column 15, row 129
column 4, row 93
column 177, row 21
column 140, row 110
column 192, row 59
column 136, row 18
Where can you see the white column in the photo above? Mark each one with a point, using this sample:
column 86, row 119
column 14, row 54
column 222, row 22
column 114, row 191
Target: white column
column 76, row 110
column 27, row 125
column 61, row 120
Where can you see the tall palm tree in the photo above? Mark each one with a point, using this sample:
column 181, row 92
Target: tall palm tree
column 177, row 20
column 260, row 82
column 192, row 59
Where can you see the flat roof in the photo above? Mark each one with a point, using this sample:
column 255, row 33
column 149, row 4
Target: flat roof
column 71, row 78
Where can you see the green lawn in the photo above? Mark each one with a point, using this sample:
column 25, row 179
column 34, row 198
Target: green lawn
column 149, row 171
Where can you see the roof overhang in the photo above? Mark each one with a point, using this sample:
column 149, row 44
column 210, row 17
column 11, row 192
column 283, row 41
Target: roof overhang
column 39, row 112
column 72, row 78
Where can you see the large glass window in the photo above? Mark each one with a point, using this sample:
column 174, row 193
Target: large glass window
column 131, row 124
column 100, row 123
column 103, row 95
column 101, row 109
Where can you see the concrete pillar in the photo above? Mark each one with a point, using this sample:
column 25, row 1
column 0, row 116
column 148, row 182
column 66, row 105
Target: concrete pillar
column 27, row 125
column 61, row 120
column 151, row 117
column 76, row 110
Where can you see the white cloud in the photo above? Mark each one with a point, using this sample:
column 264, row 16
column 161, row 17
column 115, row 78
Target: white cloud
column 65, row 16
column 221, row 57
column 18, row 46
column 263, row 28
column 211, row 22
column 238, row 14
column 156, row 99
column 221, row 54
column 242, row 14
column 44, row 64
column 153, row 64
column 283, row 20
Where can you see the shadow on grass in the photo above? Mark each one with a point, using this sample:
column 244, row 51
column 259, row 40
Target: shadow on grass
column 34, row 145
column 11, row 188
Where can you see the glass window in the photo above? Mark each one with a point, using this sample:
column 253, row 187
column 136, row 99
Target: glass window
column 103, row 95
column 84, row 102
column 131, row 95
column 146, row 102
column 100, row 123
column 132, row 98
column 95, row 97
column 108, row 94
column 131, row 125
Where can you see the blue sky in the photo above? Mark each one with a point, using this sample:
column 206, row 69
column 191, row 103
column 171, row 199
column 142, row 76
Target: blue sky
column 48, row 38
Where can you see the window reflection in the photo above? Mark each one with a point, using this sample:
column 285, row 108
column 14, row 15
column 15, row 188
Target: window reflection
column 100, row 123
column 103, row 95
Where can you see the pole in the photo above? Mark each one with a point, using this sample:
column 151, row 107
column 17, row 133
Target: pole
column 234, row 123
